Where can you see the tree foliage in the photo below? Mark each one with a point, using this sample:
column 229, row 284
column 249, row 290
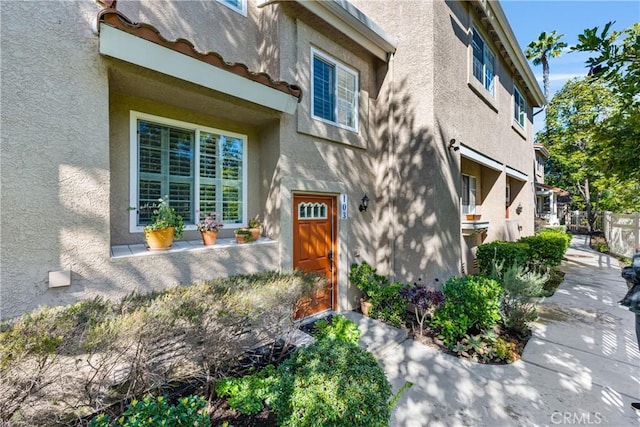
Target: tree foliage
column 577, row 118
column 615, row 61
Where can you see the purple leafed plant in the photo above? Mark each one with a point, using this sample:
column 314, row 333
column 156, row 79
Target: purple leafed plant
column 425, row 301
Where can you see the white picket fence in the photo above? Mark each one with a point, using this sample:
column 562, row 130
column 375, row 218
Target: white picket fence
column 576, row 221
column 622, row 232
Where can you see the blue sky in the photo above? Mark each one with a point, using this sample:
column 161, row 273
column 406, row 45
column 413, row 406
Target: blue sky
column 528, row 18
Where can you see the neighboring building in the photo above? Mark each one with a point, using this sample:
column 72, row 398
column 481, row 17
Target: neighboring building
column 429, row 116
column 550, row 201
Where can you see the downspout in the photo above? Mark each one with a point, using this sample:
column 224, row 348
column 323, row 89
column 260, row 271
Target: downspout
column 392, row 171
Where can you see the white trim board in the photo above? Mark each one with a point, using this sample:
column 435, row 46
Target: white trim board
column 135, row 50
column 480, row 158
column 514, row 173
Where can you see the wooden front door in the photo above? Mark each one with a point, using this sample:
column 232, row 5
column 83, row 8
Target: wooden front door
column 314, row 247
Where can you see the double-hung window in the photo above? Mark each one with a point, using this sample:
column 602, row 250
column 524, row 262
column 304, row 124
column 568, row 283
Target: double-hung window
column 239, row 6
column 519, row 107
column 468, row 194
column 483, row 62
column 335, row 91
column 200, row 169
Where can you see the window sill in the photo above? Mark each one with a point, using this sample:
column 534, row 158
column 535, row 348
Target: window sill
column 182, row 246
column 479, row 89
column 519, row 130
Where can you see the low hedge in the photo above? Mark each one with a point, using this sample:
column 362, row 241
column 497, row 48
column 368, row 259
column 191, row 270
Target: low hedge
column 510, row 252
column 547, row 247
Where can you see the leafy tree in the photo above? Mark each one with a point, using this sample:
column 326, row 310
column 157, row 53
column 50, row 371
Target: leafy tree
column 539, row 51
column 615, row 61
column 574, row 117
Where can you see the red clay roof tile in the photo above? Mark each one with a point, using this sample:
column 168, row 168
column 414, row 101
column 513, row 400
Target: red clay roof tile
column 117, row 19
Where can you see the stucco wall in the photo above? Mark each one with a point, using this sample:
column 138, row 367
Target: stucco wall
column 55, row 160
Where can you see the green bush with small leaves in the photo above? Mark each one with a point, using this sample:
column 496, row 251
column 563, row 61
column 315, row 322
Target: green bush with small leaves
column 151, row 412
column 508, row 252
column 386, row 302
column 332, row 383
column 470, row 302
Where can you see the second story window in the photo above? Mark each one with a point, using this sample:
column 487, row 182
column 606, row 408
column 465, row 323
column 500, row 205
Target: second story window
column 483, row 62
column 239, row 6
column 335, row 92
column 519, row 107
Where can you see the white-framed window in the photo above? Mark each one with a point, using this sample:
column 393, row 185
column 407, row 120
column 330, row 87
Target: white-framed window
column 483, row 62
column 469, row 185
column 334, row 89
column 201, row 169
column 239, row 6
column 519, row 107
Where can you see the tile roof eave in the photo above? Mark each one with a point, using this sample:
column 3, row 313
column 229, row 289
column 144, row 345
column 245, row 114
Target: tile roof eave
column 117, row 19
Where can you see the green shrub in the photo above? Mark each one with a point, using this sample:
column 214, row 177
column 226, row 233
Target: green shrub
column 389, row 306
column 507, row 252
column 249, row 393
column 150, row 412
column 547, row 248
column 470, row 301
column 505, row 350
column 340, row 328
column 332, row 383
column 557, row 228
column 386, row 303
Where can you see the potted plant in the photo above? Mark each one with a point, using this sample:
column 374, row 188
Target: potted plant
column 255, row 225
column 368, row 281
column 208, row 228
column 165, row 226
column 243, row 235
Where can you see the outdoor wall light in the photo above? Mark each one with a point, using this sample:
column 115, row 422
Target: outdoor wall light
column 452, row 145
column 365, row 204
column 519, row 209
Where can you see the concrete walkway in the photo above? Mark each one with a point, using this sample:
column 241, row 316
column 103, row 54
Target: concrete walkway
column 581, row 367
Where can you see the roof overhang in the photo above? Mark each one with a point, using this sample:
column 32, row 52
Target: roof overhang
column 480, row 158
column 349, row 20
column 496, row 17
column 148, row 50
column 542, row 150
column 514, row 173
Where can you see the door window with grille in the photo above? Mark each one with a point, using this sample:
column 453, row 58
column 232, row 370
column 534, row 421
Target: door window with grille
column 201, row 170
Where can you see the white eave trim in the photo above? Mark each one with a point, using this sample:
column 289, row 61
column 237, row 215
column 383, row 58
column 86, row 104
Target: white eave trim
column 480, row 158
column 514, row 173
column 135, row 50
column 347, row 19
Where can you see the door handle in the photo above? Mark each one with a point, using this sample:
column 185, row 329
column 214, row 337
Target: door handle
column 330, row 256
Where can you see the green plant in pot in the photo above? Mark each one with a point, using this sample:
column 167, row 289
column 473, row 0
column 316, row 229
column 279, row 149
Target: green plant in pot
column 165, row 226
column 208, row 228
column 243, row 235
column 368, row 281
column 255, row 225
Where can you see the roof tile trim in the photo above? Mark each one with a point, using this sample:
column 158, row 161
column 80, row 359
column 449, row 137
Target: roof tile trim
column 117, row 19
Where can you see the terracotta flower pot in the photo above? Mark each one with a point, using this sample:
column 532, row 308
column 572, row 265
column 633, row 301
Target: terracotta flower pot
column 209, row 237
column 365, row 306
column 255, row 233
column 242, row 238
column 160, row 240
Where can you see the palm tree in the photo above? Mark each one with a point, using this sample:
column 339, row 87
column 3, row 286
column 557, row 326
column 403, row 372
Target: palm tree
column 539, row 51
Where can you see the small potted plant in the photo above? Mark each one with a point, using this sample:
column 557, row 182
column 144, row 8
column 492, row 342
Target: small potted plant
column 243, row 235
column 255, row 225
column 165, row 226
column 208, row 228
